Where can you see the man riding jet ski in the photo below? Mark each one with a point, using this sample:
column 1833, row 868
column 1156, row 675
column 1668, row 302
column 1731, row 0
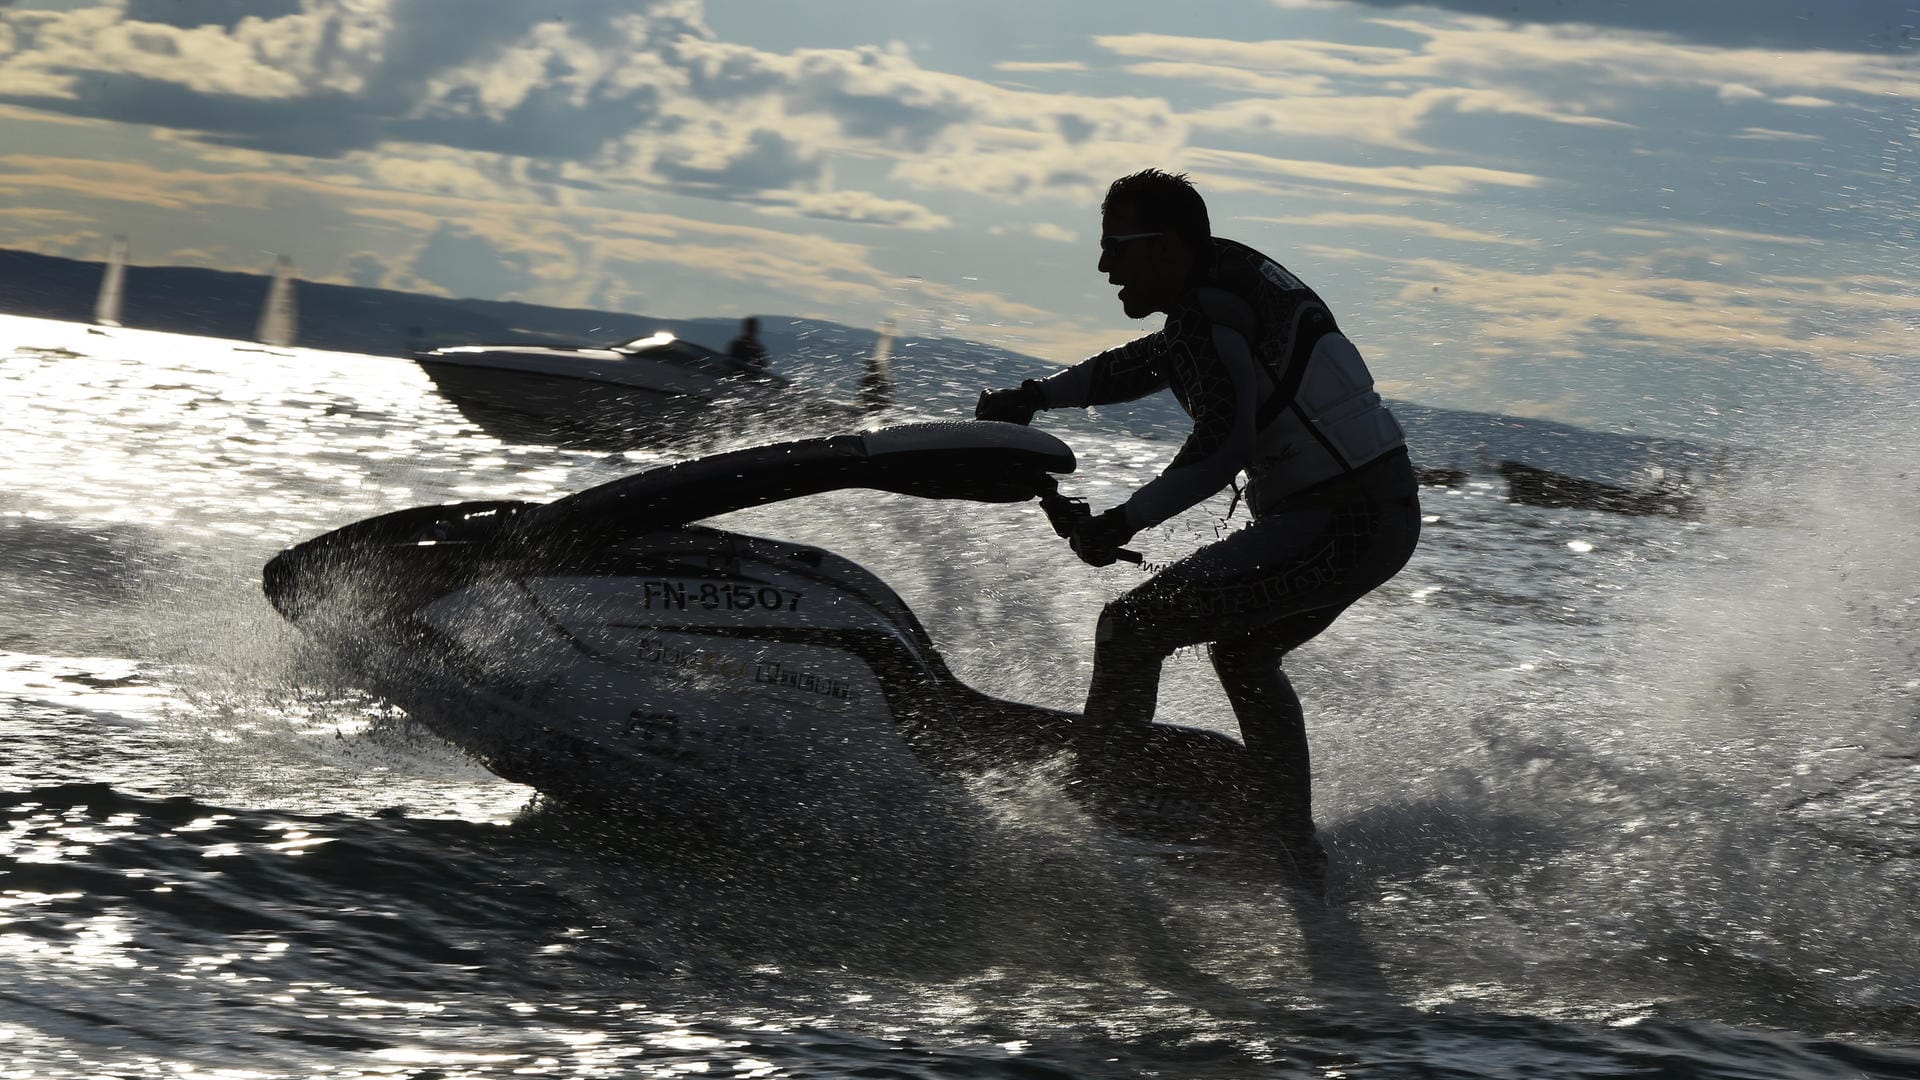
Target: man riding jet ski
column 607, row 649
column 1276, row 392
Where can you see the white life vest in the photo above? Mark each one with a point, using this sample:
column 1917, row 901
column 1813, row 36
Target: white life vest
column 1333, row 423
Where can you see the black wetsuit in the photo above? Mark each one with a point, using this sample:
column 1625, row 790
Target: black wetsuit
column 1275, row 391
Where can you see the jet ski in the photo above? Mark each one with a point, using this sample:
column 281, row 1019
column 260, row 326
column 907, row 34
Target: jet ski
column 610, row 650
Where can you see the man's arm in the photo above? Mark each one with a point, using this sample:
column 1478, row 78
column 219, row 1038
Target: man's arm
column 1126, row 373
column 1121, row 374
column 1221, row 368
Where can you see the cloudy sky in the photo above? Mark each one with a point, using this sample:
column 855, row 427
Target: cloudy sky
column 1617, row 212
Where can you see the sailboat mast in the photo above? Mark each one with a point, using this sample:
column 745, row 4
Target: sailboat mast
column 876, row 383
column 113, row 285
column 280, row 315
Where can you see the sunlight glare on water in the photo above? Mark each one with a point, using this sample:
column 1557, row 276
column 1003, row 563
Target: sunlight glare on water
column 1605, row 795
column 227, row 427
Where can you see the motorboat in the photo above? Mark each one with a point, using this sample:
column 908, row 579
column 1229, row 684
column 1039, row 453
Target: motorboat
column 1531, row 485
column 619, row 396
column 609, row 649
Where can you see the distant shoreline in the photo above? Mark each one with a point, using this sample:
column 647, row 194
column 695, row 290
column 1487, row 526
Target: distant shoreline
column 346, row 318
column 938, row 376
column 1452, row 440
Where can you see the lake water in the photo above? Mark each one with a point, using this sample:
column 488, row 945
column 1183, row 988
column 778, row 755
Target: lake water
column 1605, row 796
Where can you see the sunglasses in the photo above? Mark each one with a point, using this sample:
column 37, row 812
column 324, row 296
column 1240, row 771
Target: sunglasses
column 1110, row 243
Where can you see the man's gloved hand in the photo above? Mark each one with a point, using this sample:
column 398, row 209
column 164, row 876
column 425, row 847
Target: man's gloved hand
column 1098, row 539
column 1013, row 406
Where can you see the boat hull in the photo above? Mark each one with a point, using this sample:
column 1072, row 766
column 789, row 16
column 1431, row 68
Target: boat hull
column 531, row 407
column 584, row 412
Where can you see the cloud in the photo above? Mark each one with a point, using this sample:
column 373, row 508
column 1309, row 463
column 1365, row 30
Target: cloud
column 459, row 261
column 443, row 173
column 1390, row 122
column 616, row 95
column 1564, row 74
column 940, row 131
column 1239, row 80
column 1420, row 179
column 1295, row 56
column 1400, row 223
column 325, row 126
column 860, row 207
column 37, row 177
column 1651, row 303
column 226, row 14
column 1870, row 26
column 1666, row 231
column 43, row 216
column 449, row 128
column 189, row 256
column 553, row 253
column 1039, row 65
column 1334, row 100
column 1577, row 59
column 1045, row 230
column 765, row 160
column 644, row 97
column 1757, row 134
column 340, row 74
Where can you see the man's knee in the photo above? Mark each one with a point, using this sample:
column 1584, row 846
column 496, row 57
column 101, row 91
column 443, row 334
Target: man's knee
column 1119, row 626
column 1238, row 660
column 1122, row 636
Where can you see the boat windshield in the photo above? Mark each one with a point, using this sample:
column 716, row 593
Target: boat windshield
column 655, row 340
column 666, row 348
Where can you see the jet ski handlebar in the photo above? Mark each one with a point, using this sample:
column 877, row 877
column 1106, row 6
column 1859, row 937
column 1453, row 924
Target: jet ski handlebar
column 1065, row 512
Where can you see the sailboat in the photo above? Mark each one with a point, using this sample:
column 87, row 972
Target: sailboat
column 279, row 317
column 113, row 287
column 876, row 383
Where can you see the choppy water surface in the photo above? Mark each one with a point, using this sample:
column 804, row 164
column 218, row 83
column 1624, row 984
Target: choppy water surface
column 1606, row 796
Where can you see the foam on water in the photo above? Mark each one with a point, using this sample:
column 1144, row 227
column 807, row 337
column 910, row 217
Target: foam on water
column 1575, row 771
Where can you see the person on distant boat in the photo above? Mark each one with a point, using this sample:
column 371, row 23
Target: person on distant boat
column 746, row 350
column 1276, row 391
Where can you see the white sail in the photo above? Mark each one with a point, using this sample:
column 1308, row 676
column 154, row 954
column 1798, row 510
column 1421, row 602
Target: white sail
column 280, row 316
column 876, row 383
column 113, row 285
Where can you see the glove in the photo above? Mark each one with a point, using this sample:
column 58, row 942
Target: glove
column 1013, row 406
column 1098, row 539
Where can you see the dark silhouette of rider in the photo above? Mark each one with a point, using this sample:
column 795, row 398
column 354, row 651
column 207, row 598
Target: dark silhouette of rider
column 1276, row 392
column 746, row 350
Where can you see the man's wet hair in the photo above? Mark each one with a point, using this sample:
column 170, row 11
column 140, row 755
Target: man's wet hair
column 1165, row 201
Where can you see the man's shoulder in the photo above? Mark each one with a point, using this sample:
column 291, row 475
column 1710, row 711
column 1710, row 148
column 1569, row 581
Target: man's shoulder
column 1238, row 267
column 1222, row 246
column 1224, row 306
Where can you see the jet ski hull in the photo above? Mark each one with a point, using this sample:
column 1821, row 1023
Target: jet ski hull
column 605, row 650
